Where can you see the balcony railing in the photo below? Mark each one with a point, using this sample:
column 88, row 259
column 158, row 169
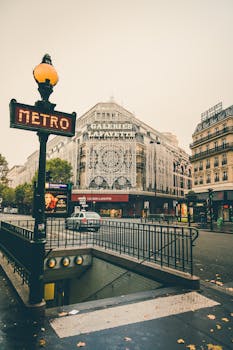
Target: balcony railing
column 212, row 151
column 211, row 136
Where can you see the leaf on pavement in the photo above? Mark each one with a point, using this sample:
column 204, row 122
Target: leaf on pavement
column 191, row 347
column 127, row 339
column 214, row 347
column 81, row 344
column 211, row 317
column 42, row 342
column 225, row 319
column 180, row 341
column 219, row 283
column 63, row 313
column 218, row 326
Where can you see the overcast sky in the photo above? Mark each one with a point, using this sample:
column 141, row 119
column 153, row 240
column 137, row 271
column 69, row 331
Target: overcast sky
column 166, row 61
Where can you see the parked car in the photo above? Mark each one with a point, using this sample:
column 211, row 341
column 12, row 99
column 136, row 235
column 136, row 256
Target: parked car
column 83, row 220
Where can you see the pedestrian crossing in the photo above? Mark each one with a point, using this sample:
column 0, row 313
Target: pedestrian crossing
column 122, row 315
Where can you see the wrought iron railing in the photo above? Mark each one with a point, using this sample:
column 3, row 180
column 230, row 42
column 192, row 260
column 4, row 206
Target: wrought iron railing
column 166, row 245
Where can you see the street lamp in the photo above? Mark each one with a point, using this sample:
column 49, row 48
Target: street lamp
column 45, row 120
column 46, row 77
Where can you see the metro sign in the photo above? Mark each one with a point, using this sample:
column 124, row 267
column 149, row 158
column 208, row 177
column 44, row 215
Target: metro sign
column 32, row 118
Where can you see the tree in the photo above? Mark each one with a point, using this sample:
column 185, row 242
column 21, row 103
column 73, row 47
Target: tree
column 3, row 170
column 24, row 198
column 60, row 171
column 8, row 196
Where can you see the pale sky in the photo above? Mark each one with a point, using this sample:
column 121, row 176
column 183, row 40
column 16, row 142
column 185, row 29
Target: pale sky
column 166, row 61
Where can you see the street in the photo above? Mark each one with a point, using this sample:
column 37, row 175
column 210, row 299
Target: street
column 213, row 257
column 202, row 322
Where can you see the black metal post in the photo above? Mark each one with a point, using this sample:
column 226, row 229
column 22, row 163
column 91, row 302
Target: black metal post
column 36, row 284
column 40, row 231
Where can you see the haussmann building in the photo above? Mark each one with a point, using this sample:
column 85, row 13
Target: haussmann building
column 212, row 160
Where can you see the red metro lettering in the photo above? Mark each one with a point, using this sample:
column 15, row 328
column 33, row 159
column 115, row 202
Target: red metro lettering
column 42, row 120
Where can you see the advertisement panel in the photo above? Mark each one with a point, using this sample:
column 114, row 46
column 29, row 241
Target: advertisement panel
column 56, row 200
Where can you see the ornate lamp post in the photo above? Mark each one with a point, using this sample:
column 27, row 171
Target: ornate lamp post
column 46, row 77
column 45, row 120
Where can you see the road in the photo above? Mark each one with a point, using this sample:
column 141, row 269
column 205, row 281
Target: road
column 213, row 257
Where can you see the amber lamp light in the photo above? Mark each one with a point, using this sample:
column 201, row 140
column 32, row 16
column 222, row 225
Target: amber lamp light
column 46, row 77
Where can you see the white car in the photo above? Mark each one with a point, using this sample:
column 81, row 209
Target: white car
column 84, row 220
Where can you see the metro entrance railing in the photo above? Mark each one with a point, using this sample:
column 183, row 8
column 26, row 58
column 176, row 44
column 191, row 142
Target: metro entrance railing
column 165, row 245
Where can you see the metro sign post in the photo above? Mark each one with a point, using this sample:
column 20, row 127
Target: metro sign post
column 43, row 119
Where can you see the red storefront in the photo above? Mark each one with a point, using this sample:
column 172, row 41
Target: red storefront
column 110, row 205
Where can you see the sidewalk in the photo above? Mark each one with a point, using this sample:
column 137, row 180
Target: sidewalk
column 166, row 319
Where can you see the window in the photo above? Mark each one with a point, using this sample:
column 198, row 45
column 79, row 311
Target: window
column 208, row 179
column 216, row 177
column 216, row 162
column 201, row 165
column 224, row 176
column 207, row 164
column 216, row 144
column 224, row 142
column 224, row 159
column 201, row 180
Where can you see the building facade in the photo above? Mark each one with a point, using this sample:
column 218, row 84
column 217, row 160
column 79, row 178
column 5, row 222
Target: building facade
column 212, row 161
column 121, row 166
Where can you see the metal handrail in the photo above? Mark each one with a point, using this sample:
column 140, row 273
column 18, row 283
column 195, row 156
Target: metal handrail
column 166, row 245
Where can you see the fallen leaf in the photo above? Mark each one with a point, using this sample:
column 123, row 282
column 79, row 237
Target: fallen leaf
column 81, row 344
column 63, row 313
column 191, row 347
column 214, row 347
column 218, row 283
column 218, row 326
column 211, row 317
column 180, row 341
column 211, row 330
column 225, row 319
column 42, row 342
column 127, row 339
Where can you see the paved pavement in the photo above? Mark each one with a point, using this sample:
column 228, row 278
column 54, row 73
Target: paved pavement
column 164, row 319
column 168, row 318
